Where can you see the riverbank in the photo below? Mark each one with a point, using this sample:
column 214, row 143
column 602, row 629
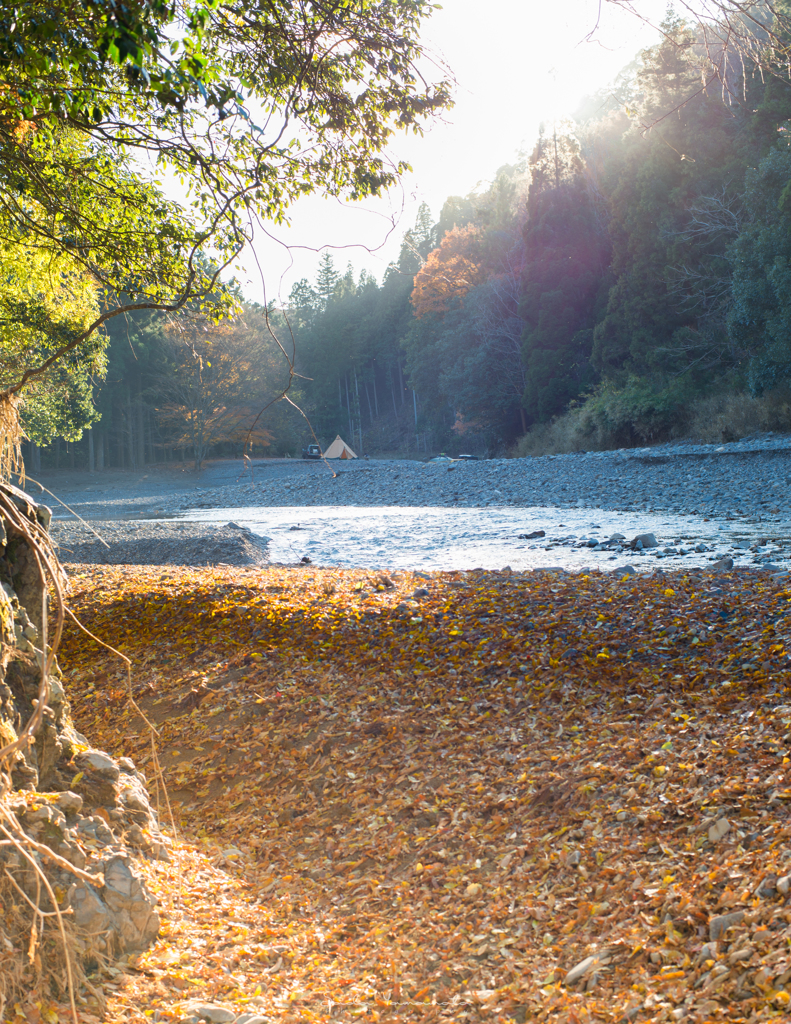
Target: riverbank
column 692, row 504
column 748, row 478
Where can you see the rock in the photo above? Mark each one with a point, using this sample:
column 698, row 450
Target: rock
column 625, row 570
column 118, row 917
column 720, row 924
column 783, row 885
column 214, row 1013
column 252, row 1018
column 708, row 952
column 99, row 762
column 532, row 536
column 724, row 563
column 70, row 803
column 420, row 592
column 767, row 888
column 56, row 692
column 720, row 828
column 90, row 913
column 584, row 967
column 474, row 889
column 72, row 853
column 305, row 560
column 132, row 794
column 644, row 541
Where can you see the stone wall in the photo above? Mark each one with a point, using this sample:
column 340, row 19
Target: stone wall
column 73, row 813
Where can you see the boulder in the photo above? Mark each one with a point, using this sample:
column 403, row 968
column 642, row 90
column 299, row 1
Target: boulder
column 643, row 541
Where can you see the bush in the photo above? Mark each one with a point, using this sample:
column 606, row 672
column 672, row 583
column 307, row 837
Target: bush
column 611, row 417
column 634, row 416
column 727, row 417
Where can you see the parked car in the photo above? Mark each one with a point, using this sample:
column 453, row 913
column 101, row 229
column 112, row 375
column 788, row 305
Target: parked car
column 468, row 458
column 311, row 452
column 442, row 458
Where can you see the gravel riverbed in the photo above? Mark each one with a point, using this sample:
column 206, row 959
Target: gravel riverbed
column 746, row 482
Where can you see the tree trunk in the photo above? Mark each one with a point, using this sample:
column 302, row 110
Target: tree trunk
column 100, row 436
column 91, row 460
column 141, row 434
column 348, row 405
column 357, row 410
column 130, row 434
column 376, row 400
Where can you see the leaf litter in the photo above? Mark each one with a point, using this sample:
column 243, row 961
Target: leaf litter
column 455, row 796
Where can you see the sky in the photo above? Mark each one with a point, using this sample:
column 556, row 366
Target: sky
column 517, row 63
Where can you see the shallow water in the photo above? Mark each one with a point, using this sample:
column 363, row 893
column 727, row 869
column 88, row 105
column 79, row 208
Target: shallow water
column 395, row 537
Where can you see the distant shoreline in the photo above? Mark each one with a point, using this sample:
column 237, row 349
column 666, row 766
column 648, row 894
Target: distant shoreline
column 745, row 479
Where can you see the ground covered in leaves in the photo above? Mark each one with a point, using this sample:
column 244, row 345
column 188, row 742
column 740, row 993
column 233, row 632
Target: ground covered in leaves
column 464, row 796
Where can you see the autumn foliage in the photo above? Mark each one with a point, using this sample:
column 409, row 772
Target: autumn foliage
column 449, row 272
column 433, row 804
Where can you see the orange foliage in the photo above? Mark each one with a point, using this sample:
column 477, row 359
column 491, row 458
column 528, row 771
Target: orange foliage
column 526, row 796
column 449, row 272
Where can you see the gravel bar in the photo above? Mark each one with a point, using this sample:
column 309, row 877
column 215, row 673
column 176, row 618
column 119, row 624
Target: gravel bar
column 751, row 477
column 125, row 543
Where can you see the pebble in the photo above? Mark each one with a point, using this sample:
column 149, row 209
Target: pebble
column 720, row 924
column 69, row 803
column 163, row 543
column 213, row 1013
column 578, row 972
column 719, row 829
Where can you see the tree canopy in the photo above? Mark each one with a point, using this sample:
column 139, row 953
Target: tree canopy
column 247, row 107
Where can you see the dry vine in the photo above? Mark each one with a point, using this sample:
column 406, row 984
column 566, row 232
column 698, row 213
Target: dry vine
column 52, row 957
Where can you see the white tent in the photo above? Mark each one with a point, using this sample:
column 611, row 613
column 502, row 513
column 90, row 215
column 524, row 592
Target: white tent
column 339, row 450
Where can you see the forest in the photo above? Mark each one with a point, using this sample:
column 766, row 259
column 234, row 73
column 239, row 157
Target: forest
column 322, row 794
column 624, row 283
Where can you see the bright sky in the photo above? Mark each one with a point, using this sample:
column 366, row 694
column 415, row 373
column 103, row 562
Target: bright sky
column 517, row 63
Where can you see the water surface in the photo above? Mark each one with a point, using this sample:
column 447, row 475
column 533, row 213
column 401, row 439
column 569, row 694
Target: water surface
column 395, row 537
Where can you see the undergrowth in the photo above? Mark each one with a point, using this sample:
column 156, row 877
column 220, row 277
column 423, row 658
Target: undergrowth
column 636, row 415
